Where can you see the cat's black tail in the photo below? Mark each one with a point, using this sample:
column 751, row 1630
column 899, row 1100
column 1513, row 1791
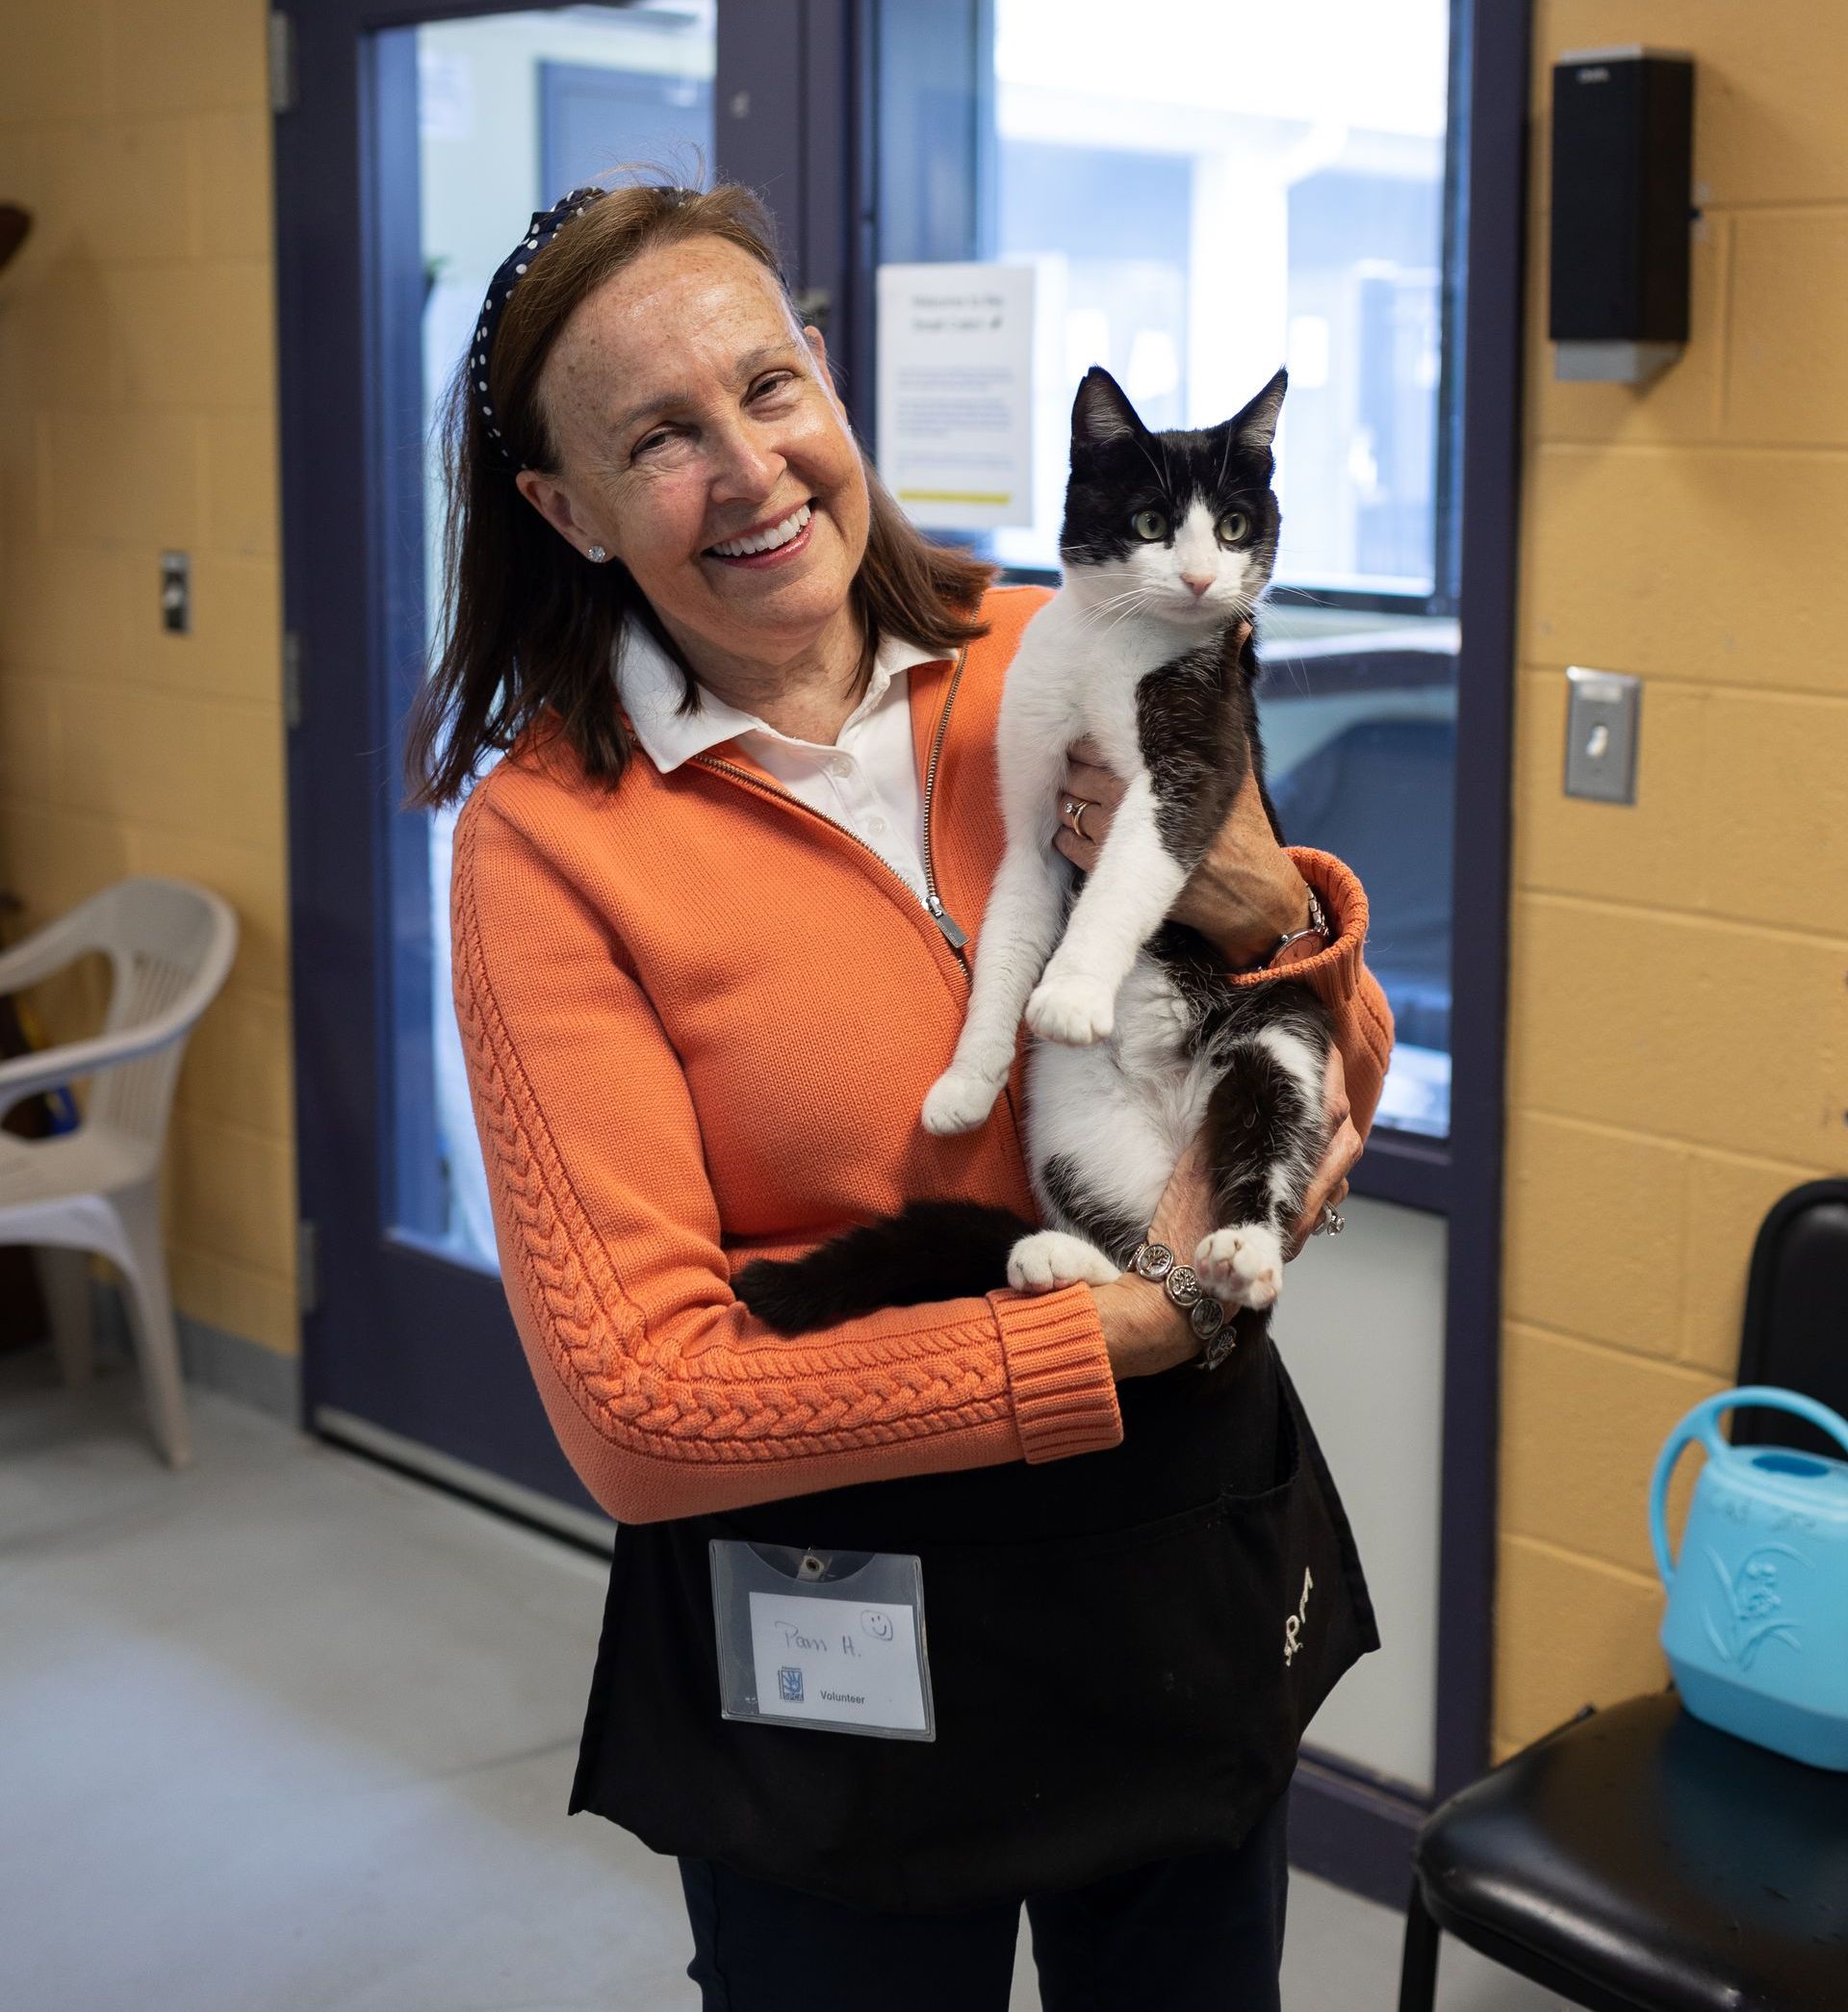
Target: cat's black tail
column 932, row 1251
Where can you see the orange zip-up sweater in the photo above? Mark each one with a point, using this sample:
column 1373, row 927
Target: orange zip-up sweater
column 700, row 1020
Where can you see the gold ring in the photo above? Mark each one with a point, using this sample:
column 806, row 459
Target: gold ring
column 1072, row 812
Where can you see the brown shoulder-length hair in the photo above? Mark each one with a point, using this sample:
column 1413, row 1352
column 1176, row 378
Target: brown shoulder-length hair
column 527, row 625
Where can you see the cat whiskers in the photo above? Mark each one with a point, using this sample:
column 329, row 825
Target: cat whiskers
column 1133, row 601
column 1128, row 612
column 1128, row 601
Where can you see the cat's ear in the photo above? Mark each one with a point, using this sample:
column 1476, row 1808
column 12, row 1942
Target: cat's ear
column 1256, row 426
column 1101, row 414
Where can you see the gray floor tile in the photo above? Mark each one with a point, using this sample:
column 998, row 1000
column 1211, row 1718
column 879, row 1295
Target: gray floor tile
column 287, row 1732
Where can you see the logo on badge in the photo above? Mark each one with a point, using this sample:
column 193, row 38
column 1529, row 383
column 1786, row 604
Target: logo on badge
column 789, row 1684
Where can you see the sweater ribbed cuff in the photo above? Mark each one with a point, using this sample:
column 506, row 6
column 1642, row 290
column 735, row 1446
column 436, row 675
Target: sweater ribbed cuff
column 1332, row 973
column 1064, row 1396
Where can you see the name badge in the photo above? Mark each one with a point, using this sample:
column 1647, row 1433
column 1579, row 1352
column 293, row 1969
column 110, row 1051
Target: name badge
column 830, row 1640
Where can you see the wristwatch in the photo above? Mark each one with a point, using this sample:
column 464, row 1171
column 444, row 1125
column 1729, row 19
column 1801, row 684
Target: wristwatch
column 1212, row 1326
column 1319, row 926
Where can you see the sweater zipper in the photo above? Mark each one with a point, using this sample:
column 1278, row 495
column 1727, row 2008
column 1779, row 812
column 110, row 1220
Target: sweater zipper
column 954, row 934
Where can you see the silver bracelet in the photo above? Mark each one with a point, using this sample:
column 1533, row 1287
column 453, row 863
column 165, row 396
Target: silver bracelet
column 1207, row 1318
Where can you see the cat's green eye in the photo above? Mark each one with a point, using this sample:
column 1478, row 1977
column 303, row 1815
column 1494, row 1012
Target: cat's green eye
column 1149, row 524
column 1233, row 526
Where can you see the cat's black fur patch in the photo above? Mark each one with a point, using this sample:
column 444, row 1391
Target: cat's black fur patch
column 1196, row 725
column 932, row 1250
column 1256, row 1118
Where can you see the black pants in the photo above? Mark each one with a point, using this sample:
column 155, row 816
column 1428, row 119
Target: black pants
column 1201, row 1934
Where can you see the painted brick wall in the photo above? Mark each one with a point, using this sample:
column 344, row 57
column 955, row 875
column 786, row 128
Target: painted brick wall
column 1679, row 1039
column 137, row 413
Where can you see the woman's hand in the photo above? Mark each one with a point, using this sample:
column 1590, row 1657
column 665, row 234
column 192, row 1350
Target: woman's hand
column 1143, row 1331
column 1328, row 1189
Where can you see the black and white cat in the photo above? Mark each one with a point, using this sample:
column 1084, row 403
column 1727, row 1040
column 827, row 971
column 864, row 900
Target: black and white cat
column 1168, row 540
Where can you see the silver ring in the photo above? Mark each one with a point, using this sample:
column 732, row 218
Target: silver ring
column 1332, row 1222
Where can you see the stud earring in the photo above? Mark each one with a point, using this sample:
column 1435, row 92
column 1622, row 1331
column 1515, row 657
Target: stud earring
column 596, row 555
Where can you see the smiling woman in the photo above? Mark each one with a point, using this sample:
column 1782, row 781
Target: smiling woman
column 713, row 924
column 725, row 480
column 657, row 454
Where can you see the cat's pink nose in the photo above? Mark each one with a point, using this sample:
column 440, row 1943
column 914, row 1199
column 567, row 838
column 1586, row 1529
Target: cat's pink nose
column 1198, row 581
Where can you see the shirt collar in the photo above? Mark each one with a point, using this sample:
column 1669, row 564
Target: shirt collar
column 650, row 684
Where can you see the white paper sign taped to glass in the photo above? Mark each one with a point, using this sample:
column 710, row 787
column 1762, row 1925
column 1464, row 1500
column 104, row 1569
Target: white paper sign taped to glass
column 955, row 374
column 830, row 1640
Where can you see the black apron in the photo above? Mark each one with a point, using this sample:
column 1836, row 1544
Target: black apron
column 1124, row 1650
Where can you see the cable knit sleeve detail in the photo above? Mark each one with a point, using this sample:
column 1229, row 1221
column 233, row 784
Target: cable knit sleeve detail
column 667, row 1396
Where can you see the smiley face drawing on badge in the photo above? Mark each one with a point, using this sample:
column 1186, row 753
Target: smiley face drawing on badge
column 878, row 1625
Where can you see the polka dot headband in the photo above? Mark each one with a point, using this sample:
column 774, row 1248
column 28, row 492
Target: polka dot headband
column 546, row 226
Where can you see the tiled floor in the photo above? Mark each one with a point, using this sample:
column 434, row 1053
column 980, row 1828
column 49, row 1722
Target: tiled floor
column 286, row 1732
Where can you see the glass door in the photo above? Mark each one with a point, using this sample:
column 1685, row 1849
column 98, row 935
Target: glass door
column 1203, row 190
column 410, row 154
column 508, row 111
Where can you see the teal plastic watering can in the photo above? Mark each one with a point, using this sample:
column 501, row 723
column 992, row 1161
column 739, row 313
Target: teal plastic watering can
column 1756, row 1626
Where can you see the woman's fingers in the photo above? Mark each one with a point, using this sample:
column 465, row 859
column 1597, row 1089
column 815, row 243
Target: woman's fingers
column 1099, row 792
column 1334, row 1090
column 1096, row 786
column 1329, row 1185
column 1081, row 853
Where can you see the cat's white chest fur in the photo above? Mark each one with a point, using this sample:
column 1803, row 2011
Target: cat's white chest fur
column 1075, row 674
column 1141, row 1097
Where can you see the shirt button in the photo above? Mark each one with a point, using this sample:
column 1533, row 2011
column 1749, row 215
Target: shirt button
column 840, row 765
column 875, row 824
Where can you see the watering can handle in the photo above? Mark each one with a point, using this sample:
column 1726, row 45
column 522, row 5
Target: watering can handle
column 1703, row 1423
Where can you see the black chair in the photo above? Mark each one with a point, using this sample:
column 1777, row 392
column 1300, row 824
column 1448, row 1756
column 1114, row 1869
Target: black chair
column 1636, row 1860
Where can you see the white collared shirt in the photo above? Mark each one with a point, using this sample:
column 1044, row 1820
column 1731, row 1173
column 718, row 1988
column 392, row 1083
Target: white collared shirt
column 867, row 781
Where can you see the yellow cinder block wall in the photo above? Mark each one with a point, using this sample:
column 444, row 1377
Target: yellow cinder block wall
column 1679, row 1030
column 136, row 414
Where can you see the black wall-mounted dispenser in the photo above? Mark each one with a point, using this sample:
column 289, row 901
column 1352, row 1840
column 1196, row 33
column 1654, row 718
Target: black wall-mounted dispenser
column 1623, row 165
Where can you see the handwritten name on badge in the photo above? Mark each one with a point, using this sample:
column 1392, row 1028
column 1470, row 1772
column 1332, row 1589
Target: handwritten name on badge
column 827, row 1659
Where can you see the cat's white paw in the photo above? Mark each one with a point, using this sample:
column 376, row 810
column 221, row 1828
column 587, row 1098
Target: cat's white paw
column 1049, row 1258
column 958, row 1101
column 1075, row 1012
column 1243, row 1266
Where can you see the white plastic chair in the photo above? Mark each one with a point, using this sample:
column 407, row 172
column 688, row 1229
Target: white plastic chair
column 169, row 946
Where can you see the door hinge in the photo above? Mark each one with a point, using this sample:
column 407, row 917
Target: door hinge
column 291, row 678
column 307, row 1266
column 282, row 62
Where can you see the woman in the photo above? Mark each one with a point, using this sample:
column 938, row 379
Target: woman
column 707, row 925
